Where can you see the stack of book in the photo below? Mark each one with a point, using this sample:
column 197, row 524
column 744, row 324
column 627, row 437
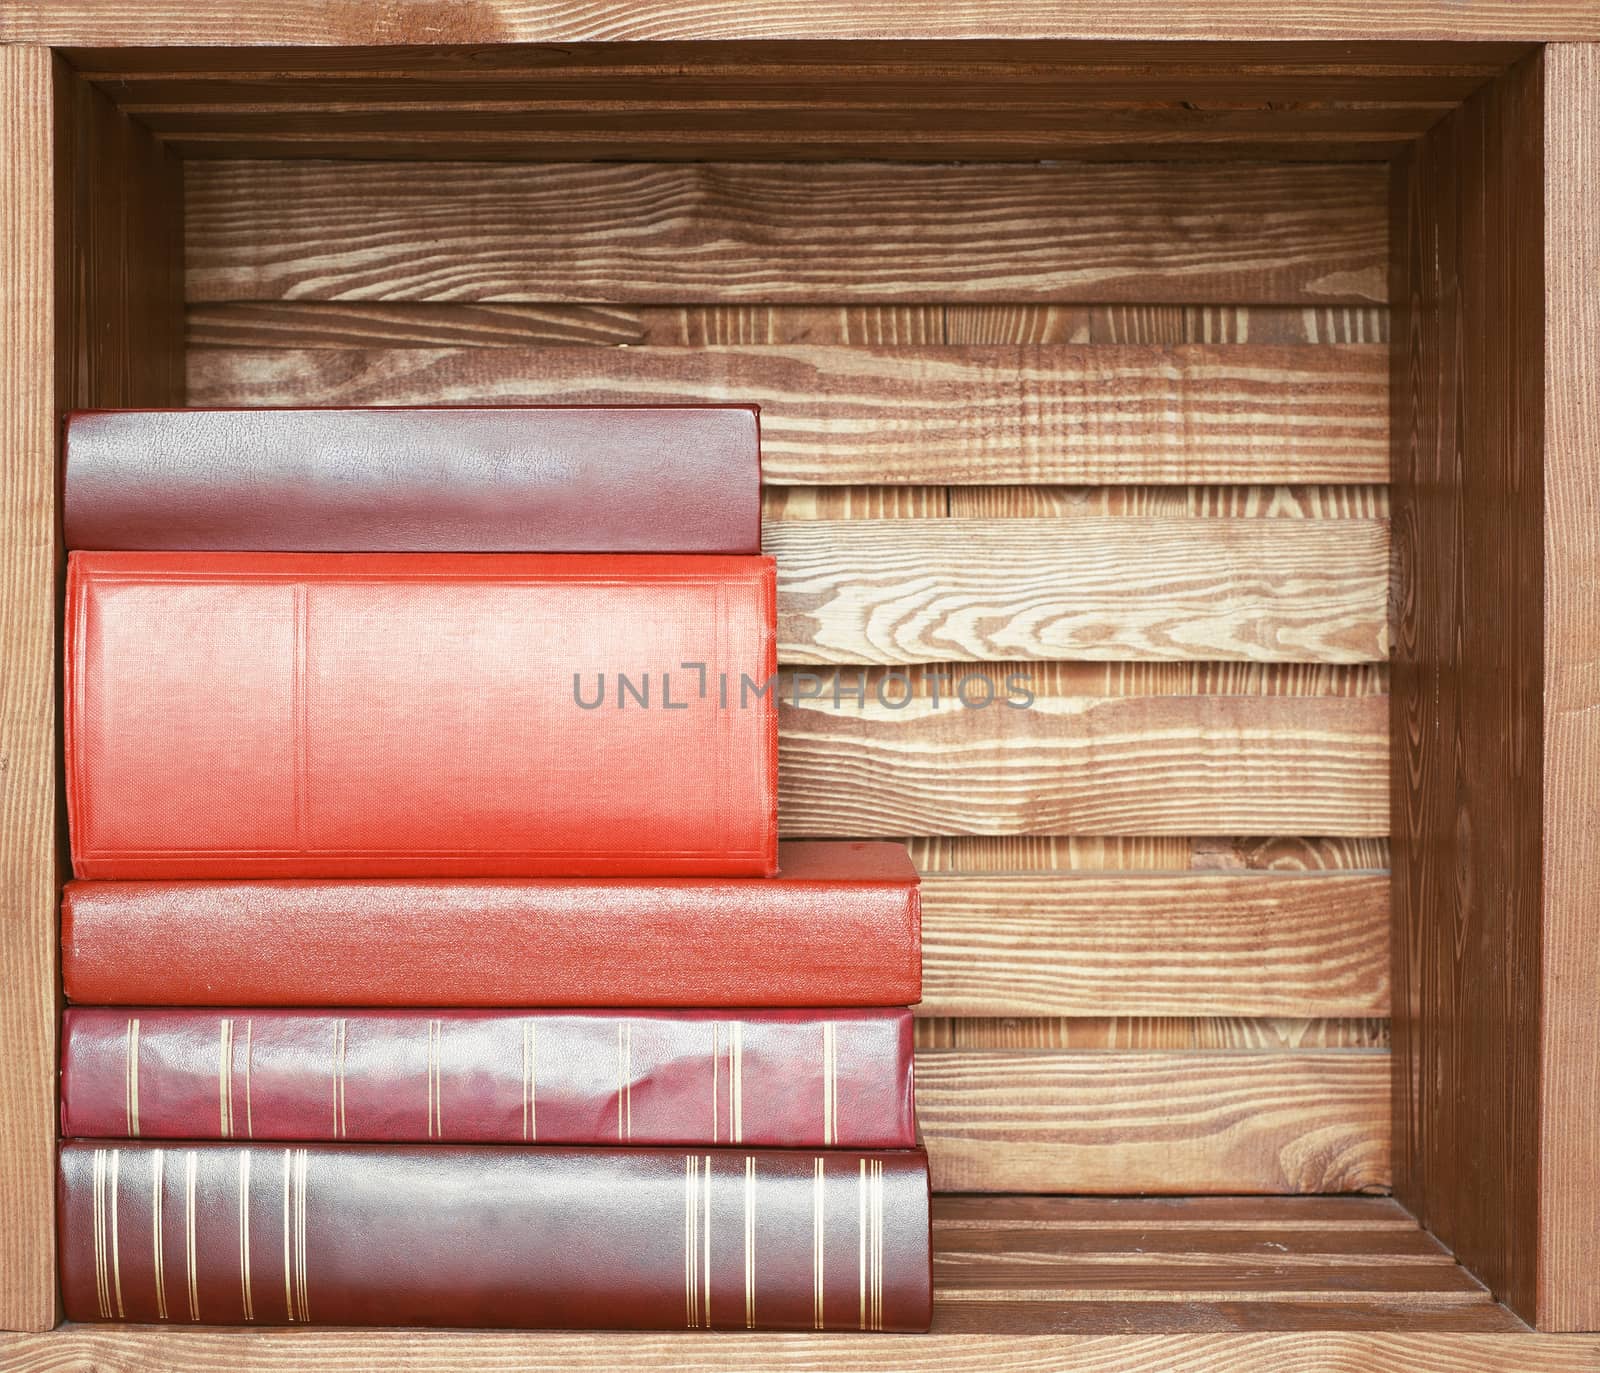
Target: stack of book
column 431, row 954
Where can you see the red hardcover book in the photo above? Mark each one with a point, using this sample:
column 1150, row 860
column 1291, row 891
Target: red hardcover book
column 780, row 1079
column 495, row 1235
column 539, row 479
column 343, row 715
column 838, row 926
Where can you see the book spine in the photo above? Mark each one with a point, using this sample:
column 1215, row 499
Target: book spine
column 776, row 1078
column 404, row 715
column 538, row 479
column 490, row 1235
column 507, row 943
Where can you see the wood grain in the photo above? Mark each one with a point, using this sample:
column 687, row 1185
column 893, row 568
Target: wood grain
column 1155, row 1122
column 128, row 23
column 443, row 324
column 896, row 591
column 1262, row 1034
column 1128, row 765
column 1569, row 1046
column 28, row 989
column 1128, row 945
column 967, row 414
column 1231, row 501
column 787, row 234
column 1416, row 1337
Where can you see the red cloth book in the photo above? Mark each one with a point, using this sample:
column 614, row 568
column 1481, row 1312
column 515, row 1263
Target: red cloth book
column 782, row 1079
column 495, row 1235
column 538, row 479
column 838, row 926
column 344, row 715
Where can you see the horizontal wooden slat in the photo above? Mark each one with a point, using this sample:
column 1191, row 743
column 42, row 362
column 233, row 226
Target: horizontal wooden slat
column 444, row 324
column 1236, row 502
column 1263, row 1035
column 1129, row 765
column 1152, row 1122
column 772, row 233
column 1213, row 944
column 900, row 591
column 835, row 415
column 1247, row 1216
column 1123, row 853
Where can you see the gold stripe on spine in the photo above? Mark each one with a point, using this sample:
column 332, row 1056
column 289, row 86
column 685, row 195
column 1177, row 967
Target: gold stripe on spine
column 341, row 1125
column 690, row 1314
column 818, row 1287
column 877, row 1244
column 249, row 1056
column 131, row 1073
column 302, row 1285
column 116, row 1246
column 288, row 1189
column 191, row 1163
column 861, row 1252
column 158, row 1188
column 706, row 1241
column 435, row 1035
column 624, row 1080
column 244, row 1235
column 97, row 1214
column 737, row 1078
column 749, row 1243
column 225, row 1078
column 530, row 1078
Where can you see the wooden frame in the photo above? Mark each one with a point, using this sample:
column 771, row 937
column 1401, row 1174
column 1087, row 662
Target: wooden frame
column 1495, row 394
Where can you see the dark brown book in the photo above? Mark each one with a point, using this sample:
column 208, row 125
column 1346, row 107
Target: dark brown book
column 535, row 479
column 487, row 1235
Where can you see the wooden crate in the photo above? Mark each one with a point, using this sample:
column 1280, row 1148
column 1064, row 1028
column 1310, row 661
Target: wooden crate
column 1229, row 367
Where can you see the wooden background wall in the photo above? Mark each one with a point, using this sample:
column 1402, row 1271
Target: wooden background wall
column 1124, row 427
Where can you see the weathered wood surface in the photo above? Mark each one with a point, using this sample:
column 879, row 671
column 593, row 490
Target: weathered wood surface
column 971, row 413
column 796, row 234
column 1155, row 1122
column 132, row 23
column 1116, row 765
column 1128, row 944
column 901, row 591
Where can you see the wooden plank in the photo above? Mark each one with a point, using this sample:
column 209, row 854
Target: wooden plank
column 833, row 415
column 1230, row 502
column 1172, row 1123
column 1128, row 765
column 1253, row 1216
column 1262, row 1034
column 787, row 234
column 292, row 22
column 443, row 324
column 28, row 990
column 1142, row 853
column 1569, row 1047
column 896, row 591
column 1192, row 945
column 1138, row 1338
column 90, row 309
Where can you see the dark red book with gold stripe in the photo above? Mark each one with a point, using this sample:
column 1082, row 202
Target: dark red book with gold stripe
column 359, row 715
column 495, row 1235
column 839, row 925
column 776, row 1078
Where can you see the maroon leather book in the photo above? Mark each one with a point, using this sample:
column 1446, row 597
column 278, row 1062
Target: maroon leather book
column 785, row 1079
column 495, row 1235
column 538, row 479
column 422, row 714
column 840, row 925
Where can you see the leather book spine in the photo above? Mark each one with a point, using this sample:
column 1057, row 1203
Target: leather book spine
column 495, row 1235
column 777, row 1079
column 536, row 479
column 401, row 715
column 840, row 925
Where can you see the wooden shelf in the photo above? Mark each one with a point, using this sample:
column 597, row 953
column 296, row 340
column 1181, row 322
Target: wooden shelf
column 1022, row 1282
